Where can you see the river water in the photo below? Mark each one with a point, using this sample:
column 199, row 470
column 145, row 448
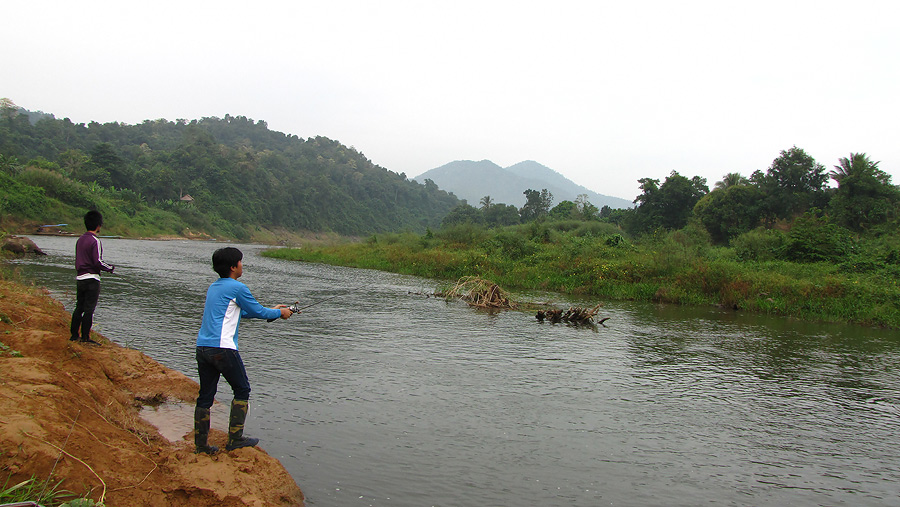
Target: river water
column 384, row 397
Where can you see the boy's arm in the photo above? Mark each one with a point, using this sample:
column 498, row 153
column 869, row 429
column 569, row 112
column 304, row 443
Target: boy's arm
column 105, row 266
column 250, row 307
column 98, row 259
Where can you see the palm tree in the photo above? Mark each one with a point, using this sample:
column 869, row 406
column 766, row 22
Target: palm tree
column 855, row 165
column 730, row 180
column 865, row 195
column 486, row 202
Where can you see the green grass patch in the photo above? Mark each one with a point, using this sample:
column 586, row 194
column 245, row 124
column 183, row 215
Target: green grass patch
column 675, row 268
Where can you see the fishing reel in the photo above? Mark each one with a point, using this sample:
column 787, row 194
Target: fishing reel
column 294, row 308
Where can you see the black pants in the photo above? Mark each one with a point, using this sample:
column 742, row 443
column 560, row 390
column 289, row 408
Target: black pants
column 87, row 292
column 213, row 362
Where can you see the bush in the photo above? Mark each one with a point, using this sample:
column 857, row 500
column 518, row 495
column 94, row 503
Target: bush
column 566, row 225
column 615, row 240
column 465, row 234
column 693, row 236
column 760, row 244
column 16, row 198
column 411, row 241
column 539, row 231
column 859, row 265
column 58, row 186
column 597, row 229
column 511, row 245
column 816, row 239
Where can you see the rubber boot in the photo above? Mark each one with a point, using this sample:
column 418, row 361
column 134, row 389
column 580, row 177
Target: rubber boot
column 236, row 438
column 201, row 432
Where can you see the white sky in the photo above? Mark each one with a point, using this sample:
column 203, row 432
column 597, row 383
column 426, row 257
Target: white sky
column 602, row 92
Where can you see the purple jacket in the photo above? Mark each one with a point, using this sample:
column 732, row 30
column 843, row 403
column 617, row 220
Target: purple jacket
column 89, row 258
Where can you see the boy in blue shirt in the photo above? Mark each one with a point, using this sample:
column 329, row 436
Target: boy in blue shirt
column 227, row 300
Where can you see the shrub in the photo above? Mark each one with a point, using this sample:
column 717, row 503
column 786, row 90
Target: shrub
column 566, row 225
column 58, row 186
column 615, row 240
column 598, row 229
column 816, row 239
column 17, row 198
column 465, row 234
column 539, row 231
column 760, row 244
column 511, row 245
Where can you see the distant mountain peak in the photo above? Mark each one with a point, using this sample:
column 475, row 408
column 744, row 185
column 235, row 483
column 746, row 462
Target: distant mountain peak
column 472, row 181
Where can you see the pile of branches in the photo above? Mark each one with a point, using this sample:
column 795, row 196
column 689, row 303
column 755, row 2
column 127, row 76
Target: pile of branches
column 483, row 293
column 480, row 292
column 574, row 315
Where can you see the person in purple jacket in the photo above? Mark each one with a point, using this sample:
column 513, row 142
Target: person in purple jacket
column 227, row 300
column 88, row 265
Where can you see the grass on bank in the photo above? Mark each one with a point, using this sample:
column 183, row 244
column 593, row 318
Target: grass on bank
column 41, row 492
column 682, row 267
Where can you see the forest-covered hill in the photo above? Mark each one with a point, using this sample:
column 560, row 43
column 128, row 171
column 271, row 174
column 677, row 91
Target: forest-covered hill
column 239, row 173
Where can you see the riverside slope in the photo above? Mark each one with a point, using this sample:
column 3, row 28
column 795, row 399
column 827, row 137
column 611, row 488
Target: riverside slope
column 81, row 405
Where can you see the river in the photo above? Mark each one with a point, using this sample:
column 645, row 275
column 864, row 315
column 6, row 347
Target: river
column 381, row 396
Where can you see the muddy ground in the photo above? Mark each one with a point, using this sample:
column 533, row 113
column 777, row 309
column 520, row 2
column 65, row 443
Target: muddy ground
column 72, row 412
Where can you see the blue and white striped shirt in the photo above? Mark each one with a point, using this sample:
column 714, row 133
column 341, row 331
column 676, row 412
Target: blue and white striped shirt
column 227, row 300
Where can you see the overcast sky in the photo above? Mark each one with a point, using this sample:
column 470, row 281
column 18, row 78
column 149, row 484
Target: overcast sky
column 603, row 92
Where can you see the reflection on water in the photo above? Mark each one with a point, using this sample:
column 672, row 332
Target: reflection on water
column 383, row 397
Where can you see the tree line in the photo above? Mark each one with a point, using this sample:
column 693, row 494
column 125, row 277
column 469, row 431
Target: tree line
column 240, row 174
column 237, row 172
column 793, row 188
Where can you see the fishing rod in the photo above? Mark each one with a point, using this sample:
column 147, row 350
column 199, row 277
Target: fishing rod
column 296, row 309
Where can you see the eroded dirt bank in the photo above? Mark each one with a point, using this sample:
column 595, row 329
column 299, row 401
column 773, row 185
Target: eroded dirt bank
column 74, row 410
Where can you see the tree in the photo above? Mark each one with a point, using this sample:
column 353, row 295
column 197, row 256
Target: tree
column 71, row 161
column 729, row 211
column 104, row 157
column 8, row 108
column 667, row 206
column 730, row 180
column 537, row 205
column 858, row 164
column 564, row 210
column 462, row 214
column 499, row 215
column 586, row 210
column 865, row 195
column 486, row 202
column 794, row 183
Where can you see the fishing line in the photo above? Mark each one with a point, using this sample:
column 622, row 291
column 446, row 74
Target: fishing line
column 295, row 309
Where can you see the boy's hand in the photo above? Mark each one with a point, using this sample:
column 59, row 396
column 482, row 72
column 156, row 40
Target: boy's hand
column 285, row 311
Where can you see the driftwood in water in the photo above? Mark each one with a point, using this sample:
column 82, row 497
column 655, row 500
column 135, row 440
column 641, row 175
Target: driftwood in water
column 485, row 294
column 574, row 315
column 479, row 292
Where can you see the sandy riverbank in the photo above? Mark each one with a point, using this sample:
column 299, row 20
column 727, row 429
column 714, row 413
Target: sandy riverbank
column 81, row 405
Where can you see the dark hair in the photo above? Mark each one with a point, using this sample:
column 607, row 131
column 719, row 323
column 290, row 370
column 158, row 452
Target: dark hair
column 224, row 259
column 92, row 220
